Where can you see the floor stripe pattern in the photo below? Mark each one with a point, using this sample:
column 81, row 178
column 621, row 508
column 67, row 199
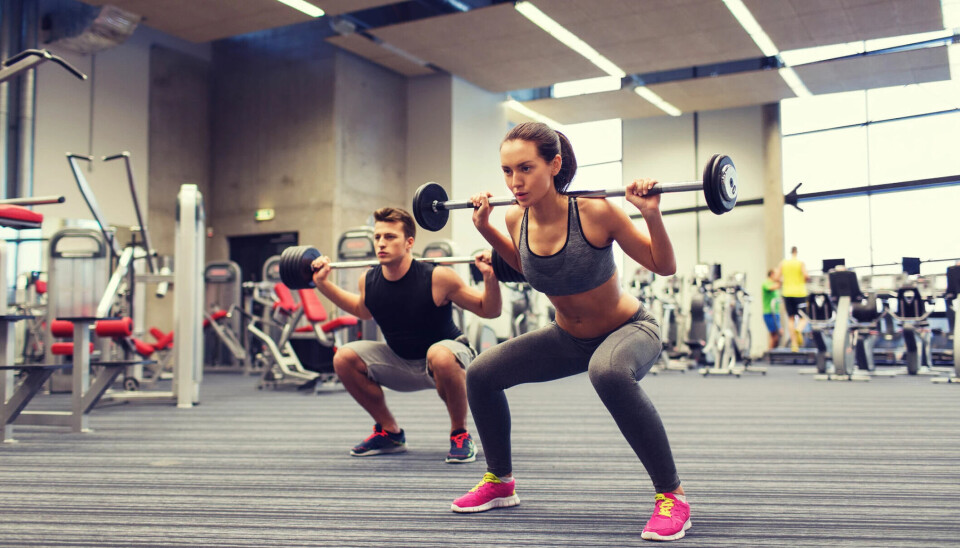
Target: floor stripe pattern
column 775, row 460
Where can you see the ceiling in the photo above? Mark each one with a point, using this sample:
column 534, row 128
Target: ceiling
column 692, row 53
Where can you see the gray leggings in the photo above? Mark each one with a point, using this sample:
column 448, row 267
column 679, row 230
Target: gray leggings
column 614, row 362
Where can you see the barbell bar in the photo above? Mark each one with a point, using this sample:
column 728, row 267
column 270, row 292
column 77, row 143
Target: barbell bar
column 431, row 208
column 296, row 266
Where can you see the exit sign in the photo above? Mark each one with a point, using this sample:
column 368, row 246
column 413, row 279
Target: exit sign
column 266, row 214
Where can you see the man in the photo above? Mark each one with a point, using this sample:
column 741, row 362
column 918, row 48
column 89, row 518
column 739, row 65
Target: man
column 771, row 308
column 411, row 303
column 793, row 277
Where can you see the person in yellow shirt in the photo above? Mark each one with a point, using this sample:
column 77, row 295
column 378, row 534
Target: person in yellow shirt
column 793, row 278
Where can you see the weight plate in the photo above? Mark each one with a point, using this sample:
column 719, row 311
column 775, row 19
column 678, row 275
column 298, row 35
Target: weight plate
column 423, row 211
column 295, row 270
column 710, row 185
column 726, row 175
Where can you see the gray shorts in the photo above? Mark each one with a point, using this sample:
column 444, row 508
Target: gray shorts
column 387, row 369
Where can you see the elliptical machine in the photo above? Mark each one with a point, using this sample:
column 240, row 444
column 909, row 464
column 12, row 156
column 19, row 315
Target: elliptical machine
column 844, row 288
column 952, row 299
column 733, row 338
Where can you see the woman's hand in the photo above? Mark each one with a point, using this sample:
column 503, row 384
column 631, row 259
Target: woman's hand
column 637, row 194
column 481, row 215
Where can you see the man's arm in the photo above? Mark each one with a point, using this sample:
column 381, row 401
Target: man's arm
column 487, row 304
column 351, row 303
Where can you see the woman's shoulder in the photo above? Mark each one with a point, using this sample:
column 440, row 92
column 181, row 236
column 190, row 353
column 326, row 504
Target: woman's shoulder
column 513, row 214
column 596, row 209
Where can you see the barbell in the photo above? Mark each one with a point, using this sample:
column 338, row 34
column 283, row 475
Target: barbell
column 296, row 266
column 431, row 208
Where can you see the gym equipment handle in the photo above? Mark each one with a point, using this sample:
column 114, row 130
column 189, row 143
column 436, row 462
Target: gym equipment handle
column 36, row 200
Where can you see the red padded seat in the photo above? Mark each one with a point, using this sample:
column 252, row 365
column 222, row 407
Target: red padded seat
column 337, row 323
column 114, row 328
column 312, row 306
column 18, row 215
column 65, row 348
column 143, row 348
column 61, row 328
column 286, row 302
column 164, row 340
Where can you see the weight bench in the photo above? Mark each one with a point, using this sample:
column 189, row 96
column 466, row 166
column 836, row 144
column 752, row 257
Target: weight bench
column 87, row 389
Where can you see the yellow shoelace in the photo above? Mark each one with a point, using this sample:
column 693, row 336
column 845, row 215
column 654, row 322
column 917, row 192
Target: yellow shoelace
column 666, row 504
column 487, row 478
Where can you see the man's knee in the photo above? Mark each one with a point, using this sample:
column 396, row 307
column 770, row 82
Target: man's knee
column 443, row 363
column 346, row 361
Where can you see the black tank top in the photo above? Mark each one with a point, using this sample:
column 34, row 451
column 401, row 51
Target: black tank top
column 405, row 311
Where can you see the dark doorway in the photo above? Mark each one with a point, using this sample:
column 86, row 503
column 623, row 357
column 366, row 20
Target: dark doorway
column 250, row 252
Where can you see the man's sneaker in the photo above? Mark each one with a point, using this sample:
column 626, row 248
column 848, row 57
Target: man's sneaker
column 379, row 443
column 670, row 520
column 488, row 494
column 462, row 448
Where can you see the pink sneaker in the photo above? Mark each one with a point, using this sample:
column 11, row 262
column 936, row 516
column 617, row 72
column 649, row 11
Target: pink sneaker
column 670, row 520
column 490, row 493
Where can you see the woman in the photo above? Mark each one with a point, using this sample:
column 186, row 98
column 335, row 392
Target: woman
column 563, row 247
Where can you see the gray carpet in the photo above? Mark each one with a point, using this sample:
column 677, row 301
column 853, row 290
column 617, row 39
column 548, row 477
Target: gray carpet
column 778, row 460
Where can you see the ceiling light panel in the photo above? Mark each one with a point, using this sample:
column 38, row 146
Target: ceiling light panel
column 495, row 48
column 652, row 35
column 877, row 71
column 595, row 106
column 795, row 24
column 727, row 91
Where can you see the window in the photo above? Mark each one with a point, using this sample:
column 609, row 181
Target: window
column 874, row 137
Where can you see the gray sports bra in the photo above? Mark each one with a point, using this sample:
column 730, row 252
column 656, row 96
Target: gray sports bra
column 579, row 266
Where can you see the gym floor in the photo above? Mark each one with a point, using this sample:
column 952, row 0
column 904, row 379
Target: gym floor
column 775, row 460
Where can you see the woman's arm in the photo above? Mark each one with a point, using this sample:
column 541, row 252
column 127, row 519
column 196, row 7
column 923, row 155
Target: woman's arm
column 652, row 250
column 501, row 243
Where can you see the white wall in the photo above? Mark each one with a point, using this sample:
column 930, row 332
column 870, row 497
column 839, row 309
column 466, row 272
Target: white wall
column 429, row 144
column 106, row 114
column 479, row 124
column 666, row 148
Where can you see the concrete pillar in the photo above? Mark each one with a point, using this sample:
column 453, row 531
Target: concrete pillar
column 772, row 185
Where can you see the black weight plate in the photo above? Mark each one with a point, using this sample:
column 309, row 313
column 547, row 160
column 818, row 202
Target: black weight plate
column 309, row 255
column 287, row 275
column 503, row 271
column 423, row 211
column 295, row 270
column 726, row 177
column 709, row 184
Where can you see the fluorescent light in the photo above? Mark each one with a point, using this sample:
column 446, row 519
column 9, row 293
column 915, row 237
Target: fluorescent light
column 408, row 56
column 749, row 24
column 951, row 13
column 517, row 106
column 583, row 87
column 895, row 41
column 305, row 7
column 803, row 56
column 657, row 101
column 793, row 80
column 568, row 39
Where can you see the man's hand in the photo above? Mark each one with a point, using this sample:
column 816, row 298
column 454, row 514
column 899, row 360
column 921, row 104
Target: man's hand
column 321, row 269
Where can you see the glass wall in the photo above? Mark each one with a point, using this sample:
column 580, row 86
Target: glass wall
column 867, row 138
